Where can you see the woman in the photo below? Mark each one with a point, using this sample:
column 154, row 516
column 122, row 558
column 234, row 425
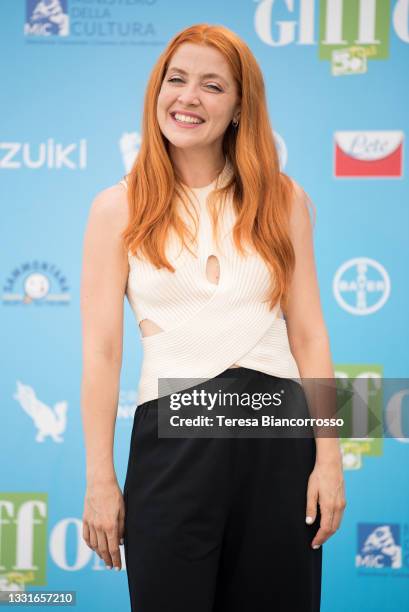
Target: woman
column 198, row 535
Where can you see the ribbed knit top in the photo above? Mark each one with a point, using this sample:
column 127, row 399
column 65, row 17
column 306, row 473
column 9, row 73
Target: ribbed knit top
column 207, row 327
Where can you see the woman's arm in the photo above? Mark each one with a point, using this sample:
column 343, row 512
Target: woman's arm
column 309, row 342
column 103, row 284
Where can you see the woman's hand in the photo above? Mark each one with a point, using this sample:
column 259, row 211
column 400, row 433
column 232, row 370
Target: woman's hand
column 103, row 521
column 326, row 487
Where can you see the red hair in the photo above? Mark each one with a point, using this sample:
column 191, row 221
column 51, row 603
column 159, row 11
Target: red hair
column 262, row 194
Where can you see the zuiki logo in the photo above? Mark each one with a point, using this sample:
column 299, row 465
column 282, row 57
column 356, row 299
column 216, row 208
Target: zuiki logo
column 361, row 286
column 350, row 33
column 379, row 546
column 23, row 542
column 37, row 283
column 51, row 155
column 368, row 154
column 49, row 421
column 47, row 18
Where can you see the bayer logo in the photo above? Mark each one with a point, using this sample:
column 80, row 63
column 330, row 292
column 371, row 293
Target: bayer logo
column 361, row 286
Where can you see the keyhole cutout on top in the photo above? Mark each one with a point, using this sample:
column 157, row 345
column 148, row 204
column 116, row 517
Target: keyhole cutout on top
column 149, row 327
column 213, row 269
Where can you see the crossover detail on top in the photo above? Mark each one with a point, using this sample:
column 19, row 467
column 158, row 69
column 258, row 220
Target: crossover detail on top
column 202, row 328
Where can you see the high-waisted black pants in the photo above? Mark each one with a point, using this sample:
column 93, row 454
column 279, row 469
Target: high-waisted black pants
column 218, row 524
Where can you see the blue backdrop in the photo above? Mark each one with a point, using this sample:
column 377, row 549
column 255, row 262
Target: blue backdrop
column 73, row 75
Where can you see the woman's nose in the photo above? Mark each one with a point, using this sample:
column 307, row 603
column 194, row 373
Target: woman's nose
column 189, row 95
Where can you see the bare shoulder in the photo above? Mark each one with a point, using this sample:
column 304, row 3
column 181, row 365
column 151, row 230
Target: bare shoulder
column 103, row 239
column 110, row 205
column 303, row 211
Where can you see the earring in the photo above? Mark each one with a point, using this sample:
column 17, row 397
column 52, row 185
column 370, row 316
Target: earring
column 235, row 122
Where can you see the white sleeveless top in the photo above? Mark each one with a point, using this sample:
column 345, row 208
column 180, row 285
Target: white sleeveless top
column 207, row 327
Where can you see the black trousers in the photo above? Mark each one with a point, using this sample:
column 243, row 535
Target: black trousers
column 218, row 524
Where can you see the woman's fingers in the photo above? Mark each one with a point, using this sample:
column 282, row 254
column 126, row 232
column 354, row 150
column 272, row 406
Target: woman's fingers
column 326, row 487
column 339, row 511
column 113, row 546
column 103, row 549
column 331, row 516
column 114, row 534
column 326, row 526
column 105, row 542
column 85, row 532
column 104, row 531
column 93, row 538
column 121, row 524
column 312, row 499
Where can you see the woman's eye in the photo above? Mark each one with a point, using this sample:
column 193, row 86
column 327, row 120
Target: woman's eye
column 179, row 80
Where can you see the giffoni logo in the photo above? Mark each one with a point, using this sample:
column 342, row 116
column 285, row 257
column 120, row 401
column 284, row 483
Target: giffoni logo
column 360, row 393
column 23, row 542
column 352, row 23
column 342, row 23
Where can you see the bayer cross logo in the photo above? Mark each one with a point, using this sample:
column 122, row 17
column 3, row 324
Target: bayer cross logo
column 361, row 286
column 47, row 18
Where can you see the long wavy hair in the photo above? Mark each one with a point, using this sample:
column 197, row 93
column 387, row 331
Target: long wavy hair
column 261, row 193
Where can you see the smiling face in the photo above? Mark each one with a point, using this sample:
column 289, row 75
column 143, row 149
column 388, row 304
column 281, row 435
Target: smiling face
column 199, row 83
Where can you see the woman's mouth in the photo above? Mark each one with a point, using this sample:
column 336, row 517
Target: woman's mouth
column 185, row 121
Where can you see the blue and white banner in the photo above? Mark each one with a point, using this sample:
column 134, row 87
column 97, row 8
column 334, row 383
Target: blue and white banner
column 73, row 75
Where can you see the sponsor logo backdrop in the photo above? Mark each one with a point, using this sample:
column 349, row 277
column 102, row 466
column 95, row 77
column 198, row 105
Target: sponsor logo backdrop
column 73, row 76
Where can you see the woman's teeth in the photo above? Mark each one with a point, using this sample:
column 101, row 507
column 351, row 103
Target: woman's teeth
column 186, row 119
